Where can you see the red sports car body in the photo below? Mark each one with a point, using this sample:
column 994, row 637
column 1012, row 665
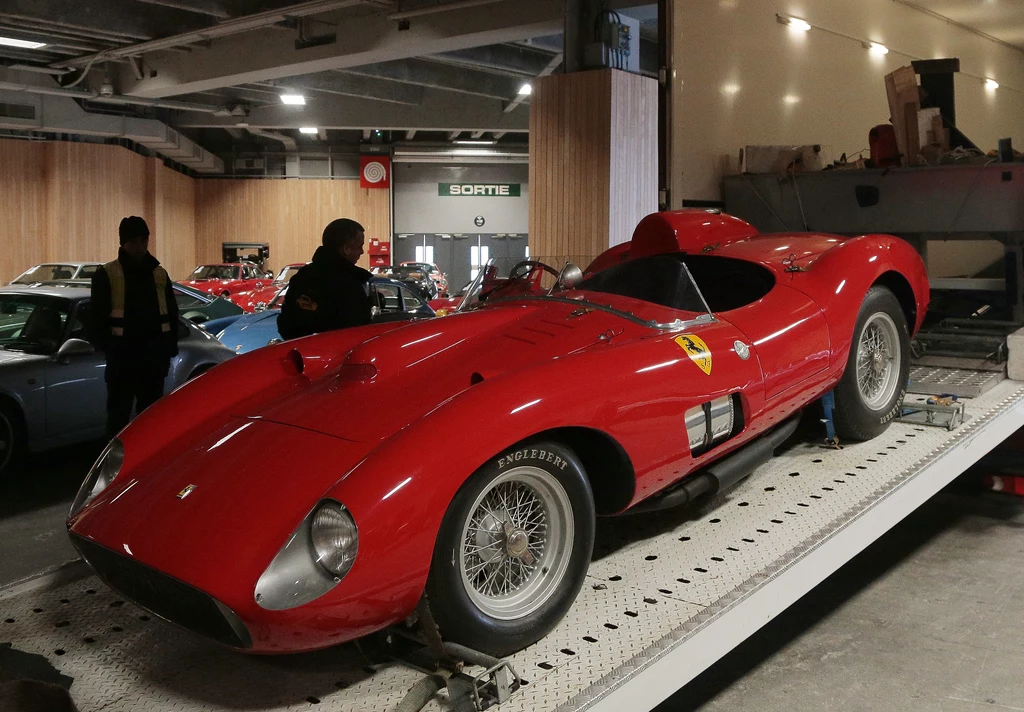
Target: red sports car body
column 257, row 299
column 528, row 281
column 227, row 279
column 617, row 393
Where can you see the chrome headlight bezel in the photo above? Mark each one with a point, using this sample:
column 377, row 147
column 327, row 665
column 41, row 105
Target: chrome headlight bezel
column 107, row 466
column 298, row 573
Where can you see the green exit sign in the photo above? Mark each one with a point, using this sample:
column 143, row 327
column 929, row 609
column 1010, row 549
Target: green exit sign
column 478, row 190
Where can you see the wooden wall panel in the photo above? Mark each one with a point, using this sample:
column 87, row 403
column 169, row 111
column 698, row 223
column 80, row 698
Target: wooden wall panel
column 64, row 201
column 174, row 234
column 593, row 162
column 289, row 214
column 22, row 207
column 90, row 187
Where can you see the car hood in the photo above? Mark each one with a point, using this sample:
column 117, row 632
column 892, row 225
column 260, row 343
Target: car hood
column 249, row 321
column 408, row 372
column 246, row 499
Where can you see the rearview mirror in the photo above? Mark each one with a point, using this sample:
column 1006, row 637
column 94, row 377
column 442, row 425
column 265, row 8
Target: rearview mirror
column 74, row 347
column 570, row 276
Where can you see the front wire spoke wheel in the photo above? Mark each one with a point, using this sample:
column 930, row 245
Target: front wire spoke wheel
column 516, row 543
column 878, row 358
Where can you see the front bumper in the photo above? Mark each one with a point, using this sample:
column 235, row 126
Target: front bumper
column 165, row 596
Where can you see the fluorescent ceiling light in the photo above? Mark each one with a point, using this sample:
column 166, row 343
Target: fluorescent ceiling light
column 991, row 84
column 474, row 143
column 796, row 23
column 309, row 130
column 879, row 49
column 22, row 44
column 293, row 99
column 791, row 99
column 730, row 88
column 525, row 90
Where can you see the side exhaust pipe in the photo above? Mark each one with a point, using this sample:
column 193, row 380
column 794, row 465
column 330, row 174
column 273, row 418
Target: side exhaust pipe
column 723, row 474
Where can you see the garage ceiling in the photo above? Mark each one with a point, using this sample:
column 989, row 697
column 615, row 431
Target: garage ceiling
column 1001, row 19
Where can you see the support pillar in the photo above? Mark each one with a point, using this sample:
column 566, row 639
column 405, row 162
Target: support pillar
column 593, row 162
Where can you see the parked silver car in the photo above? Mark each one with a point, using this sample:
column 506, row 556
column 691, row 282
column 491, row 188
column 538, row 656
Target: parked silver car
column 54, row 271
column 52, row 390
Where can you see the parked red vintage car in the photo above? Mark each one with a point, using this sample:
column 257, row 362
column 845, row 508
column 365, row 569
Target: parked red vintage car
column 525, row 277
column 257, row 299
column 226, row 279
column 665, row 377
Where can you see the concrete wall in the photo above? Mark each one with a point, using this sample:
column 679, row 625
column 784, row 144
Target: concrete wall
column 419, row 208
column 739, row 77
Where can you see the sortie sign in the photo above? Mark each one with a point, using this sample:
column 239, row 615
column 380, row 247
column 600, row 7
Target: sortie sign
column 487, row 190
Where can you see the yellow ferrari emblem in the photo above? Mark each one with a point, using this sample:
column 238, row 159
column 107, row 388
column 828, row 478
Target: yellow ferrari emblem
column 697, row 350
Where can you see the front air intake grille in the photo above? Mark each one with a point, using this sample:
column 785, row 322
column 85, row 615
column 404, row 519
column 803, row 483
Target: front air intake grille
column 165, row 596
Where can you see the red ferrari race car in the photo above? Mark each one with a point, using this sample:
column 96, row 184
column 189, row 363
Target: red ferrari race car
column 254, row 300
column 665, row 377
column 224, row 280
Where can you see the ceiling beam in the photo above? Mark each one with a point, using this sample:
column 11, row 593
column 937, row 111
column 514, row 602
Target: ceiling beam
column 425, row 73
column 497, row 134
column 554, row 63
column 366, row 134
column 199, row 7
column 47, row 39
column 322, row 134
column 512, row 60
column 410, row 135
column 477, row 134
column 437, row 113
column 351, row 85
column 452, row 135
column 107, row 17
column 367, row 38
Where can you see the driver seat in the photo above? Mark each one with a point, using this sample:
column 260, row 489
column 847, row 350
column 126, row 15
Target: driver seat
column 43, row 325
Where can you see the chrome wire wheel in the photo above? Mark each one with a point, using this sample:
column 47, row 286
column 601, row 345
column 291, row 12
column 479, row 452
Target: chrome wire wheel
column 516, row 543
column 878, row 361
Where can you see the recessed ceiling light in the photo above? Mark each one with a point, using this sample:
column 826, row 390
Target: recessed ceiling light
column 525, row 90
column 293, row 99
column 791, row 99
column 22, row 44
column 991, row 84
column 730, row 88
column 309, row 130
column 878, row 49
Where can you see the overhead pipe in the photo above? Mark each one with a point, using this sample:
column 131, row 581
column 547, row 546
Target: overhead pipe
column 238, row 25
column 113, row 99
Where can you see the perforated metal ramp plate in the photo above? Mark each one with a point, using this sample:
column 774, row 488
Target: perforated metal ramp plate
column 962, row 382
column 657, row 583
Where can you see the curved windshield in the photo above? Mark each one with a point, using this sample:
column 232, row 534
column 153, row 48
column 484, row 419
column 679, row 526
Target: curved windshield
column 287, row 273
column 661, row 279
column 216, row 272
column 32, row 323
column 46, row 273
column 401, row 273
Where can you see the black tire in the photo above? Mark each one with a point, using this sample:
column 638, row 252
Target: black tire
column 12, row 437
column 855, row 417
column 467, row 616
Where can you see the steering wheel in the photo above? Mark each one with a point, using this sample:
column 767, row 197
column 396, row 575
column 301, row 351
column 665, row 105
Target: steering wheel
column 532, row 264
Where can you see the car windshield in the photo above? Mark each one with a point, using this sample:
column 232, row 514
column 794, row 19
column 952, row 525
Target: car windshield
column 86, row 272
column 216, row 272
column 661, row 279
column 287, row 273
column 33, row 323
column 421, row 266
column 46, row 273
column 405, row 273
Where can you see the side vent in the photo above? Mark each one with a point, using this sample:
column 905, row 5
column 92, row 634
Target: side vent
column 18, row 111
column 711, row 423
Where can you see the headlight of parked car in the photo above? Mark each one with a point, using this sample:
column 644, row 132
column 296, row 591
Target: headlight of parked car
column 313, row 560
column 100, row 476
column 335, row 538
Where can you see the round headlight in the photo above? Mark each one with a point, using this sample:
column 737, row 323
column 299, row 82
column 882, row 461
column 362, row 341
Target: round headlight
column 101, row 474
column 335, row 538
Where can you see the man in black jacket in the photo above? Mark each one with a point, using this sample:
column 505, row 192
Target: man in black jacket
column 330, row 292
column 135, row 322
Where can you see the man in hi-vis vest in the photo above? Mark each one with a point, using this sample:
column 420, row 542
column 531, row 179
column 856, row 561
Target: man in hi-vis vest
column 135, row 322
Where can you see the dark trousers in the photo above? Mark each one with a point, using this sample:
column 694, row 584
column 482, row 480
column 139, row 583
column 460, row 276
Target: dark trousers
column 131, row 383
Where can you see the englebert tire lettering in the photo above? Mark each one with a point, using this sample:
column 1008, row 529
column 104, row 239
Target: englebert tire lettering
column 531, row 454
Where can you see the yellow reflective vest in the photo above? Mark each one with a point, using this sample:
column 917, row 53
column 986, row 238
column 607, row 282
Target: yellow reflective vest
column 116, row 274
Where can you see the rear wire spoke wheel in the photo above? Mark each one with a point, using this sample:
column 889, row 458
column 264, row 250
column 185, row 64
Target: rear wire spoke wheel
column 870, row 393
column 513, row 549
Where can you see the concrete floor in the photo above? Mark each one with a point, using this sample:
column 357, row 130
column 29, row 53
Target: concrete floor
column 34, row 500
column 927, row 619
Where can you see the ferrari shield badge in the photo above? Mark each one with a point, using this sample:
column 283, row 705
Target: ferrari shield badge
column 697, row 350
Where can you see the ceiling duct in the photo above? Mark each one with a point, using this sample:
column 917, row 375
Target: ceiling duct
column 40, row 108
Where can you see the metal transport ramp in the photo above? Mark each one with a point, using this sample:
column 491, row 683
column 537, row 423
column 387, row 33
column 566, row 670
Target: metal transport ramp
column 667, row 594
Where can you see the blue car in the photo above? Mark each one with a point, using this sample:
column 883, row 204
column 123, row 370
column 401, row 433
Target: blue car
column 251, row 331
